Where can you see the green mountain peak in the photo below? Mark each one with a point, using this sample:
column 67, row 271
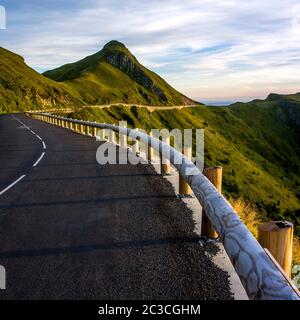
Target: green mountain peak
column 114, row 75
column 114, row 44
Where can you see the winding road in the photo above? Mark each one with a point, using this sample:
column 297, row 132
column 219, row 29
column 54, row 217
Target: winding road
column 73, row 229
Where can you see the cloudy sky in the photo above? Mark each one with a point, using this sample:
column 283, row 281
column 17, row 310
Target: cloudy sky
column 208, row 49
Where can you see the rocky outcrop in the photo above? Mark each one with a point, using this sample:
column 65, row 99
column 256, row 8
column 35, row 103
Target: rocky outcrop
column 127, row 65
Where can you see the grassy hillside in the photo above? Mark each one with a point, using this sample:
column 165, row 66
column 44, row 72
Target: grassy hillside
column 256, row 143
column 114, row 75
column 22, row 88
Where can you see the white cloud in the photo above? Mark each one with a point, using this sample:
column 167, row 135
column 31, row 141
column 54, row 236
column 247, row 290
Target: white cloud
column 206, row 48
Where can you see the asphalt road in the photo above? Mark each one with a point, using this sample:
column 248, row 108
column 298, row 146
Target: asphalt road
column 74, row 229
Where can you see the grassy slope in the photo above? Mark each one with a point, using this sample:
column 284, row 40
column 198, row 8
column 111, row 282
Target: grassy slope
column 22, row 88
column 99, row 82
column 259, row 151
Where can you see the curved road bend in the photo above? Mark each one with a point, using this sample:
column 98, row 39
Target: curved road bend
column 72, row 229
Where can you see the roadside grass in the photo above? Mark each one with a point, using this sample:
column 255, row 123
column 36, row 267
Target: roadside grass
column 247, row 214
column 296, row 251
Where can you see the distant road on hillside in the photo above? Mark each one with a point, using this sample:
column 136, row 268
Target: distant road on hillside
column 150, row 108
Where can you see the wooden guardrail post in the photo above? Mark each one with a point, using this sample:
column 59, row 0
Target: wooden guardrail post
column 123, row 140
column 137, row 145
column 184, row 188
column 111, row 136
column 94, row 131
column 214, row 175
column 277, row 237
column 87, row 130
column 102, row 134
column 150, row 150
column 165, row 166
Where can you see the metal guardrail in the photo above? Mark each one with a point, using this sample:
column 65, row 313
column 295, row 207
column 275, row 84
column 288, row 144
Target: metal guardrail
column 260, row 277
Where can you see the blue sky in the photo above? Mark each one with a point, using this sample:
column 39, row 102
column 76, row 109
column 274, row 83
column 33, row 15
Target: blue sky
column 208, row 49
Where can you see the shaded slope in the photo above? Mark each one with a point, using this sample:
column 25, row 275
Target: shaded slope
column 115, row 75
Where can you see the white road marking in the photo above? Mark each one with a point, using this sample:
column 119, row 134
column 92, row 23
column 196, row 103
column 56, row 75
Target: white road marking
column 44, row 145
column 39, row 159
column 11, row 185
column 36, row 163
